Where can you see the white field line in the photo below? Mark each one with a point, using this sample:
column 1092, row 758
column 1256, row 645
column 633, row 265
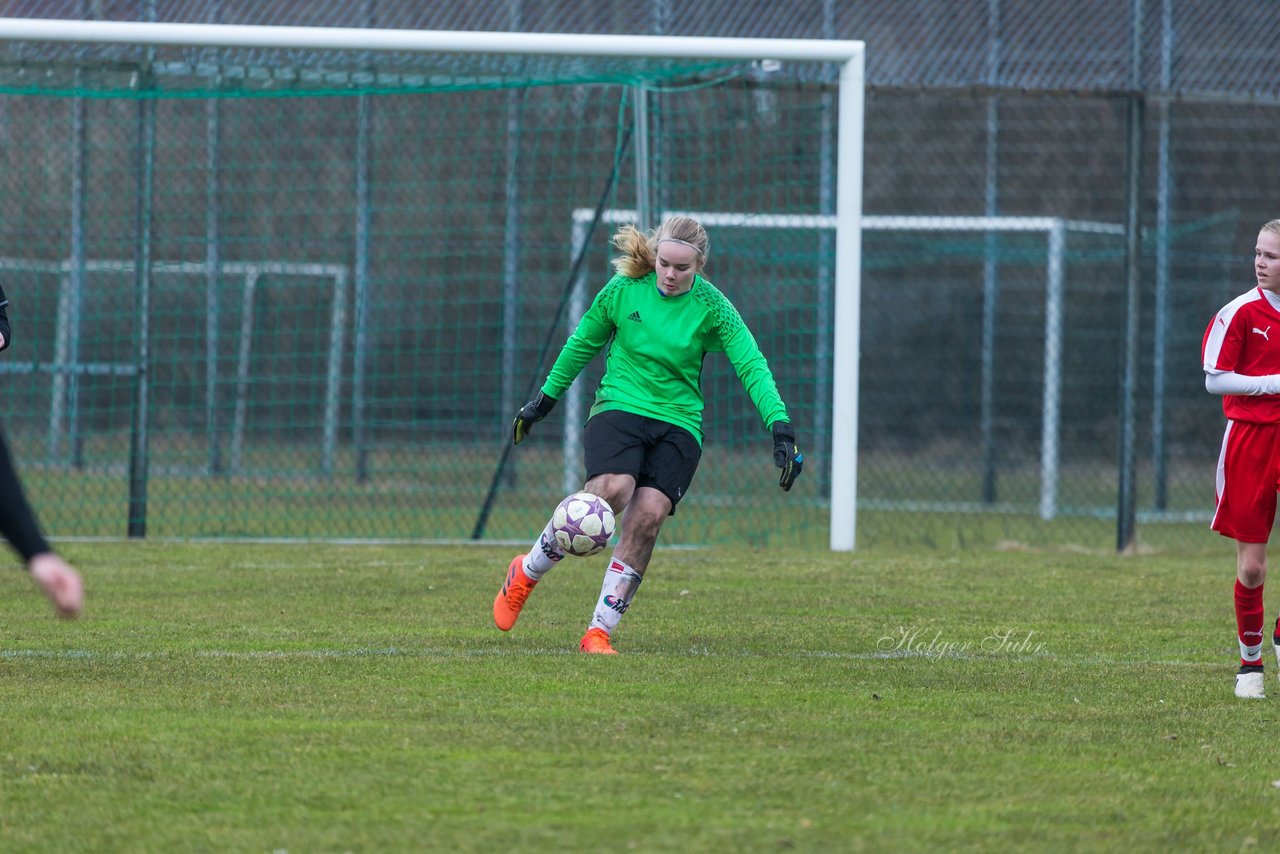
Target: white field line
column 445, row 653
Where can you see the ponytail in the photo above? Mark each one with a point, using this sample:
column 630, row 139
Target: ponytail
column 638, row 256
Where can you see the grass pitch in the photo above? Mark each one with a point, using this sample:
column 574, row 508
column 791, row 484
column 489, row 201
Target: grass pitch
column 238, row 697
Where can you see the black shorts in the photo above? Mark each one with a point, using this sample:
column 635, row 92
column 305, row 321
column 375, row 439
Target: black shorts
column 659, row 455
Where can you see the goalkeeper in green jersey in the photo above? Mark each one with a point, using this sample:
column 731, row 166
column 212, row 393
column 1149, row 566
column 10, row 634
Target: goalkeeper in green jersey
column 643, row 439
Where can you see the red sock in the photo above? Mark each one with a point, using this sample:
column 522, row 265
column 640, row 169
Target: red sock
column 1249, row 618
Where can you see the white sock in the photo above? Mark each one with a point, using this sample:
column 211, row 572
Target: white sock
column 546, row 553
column 616, row 593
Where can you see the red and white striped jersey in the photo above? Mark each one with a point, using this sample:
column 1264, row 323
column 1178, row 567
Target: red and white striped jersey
column 1244, row 337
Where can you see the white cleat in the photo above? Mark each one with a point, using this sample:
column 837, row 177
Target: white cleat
column 1249, row 685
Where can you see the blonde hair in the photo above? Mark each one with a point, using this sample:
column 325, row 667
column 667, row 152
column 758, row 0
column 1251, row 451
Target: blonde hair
column 640, row 250
column 1273, row 227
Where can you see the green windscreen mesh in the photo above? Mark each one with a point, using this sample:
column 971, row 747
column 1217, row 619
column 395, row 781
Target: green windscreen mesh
column 279, row 295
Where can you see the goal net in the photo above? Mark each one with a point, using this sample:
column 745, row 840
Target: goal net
column 292, row 283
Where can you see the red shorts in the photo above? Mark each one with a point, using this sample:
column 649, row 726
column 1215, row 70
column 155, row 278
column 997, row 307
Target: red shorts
column 1248, row 477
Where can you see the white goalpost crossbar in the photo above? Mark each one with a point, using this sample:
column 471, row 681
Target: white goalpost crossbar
column 850, row 102
column 843, row 469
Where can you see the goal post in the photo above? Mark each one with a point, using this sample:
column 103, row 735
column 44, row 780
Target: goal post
column 67, row 365
column 409, row 199
column 844, row 467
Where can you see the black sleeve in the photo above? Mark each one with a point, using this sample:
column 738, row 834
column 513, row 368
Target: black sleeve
column 17, row 520
column 4, row 321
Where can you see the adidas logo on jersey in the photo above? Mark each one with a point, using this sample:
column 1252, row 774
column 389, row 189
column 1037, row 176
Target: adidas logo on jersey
column 635, row 315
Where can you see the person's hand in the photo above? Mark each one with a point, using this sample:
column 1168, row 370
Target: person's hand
column 531, row 413
column 62, row 584
column 786, row 455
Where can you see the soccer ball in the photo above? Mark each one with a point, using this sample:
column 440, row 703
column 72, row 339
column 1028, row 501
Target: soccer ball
column 583, row 524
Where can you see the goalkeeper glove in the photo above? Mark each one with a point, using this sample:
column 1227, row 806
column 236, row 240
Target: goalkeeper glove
column 786, row 455
column 531, row 413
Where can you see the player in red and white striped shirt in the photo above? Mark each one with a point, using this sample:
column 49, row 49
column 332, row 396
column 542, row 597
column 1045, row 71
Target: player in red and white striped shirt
column 1241, row 355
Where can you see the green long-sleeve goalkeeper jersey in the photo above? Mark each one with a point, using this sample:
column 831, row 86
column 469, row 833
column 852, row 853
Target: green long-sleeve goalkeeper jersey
column 657, row 345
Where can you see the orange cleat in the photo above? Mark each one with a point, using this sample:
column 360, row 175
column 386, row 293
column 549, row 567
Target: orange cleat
column 596, row 641
column 510, row 599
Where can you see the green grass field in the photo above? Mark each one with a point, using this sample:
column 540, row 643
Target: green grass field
column 241, row 697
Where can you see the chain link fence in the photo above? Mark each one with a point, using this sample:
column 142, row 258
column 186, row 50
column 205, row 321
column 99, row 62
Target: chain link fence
column 993, row 396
